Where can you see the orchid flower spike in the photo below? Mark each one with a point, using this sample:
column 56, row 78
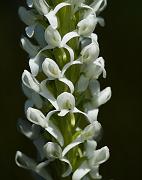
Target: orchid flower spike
column 62, row 89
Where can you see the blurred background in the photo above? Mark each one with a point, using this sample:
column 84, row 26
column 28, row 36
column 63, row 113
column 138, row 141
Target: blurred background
column 121, row 118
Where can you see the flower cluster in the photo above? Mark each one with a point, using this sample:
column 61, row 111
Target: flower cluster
column 62, row 88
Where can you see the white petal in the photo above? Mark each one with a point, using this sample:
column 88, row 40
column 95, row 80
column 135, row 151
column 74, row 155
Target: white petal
column 41, row 169
column 90, row 147
column 29, row 81
column 100, row 62
column 36, row 117
column 82, row 83
column 31, row 49
column 50, row 68
column 104, row 96
column 100, row 156
column 90, row 53
column 47, row 94
column 26, row 16
column 99, row 5
column 71, row 52
column 68, row 83
column 24, row 161
column 52, row 37
column 69, row 169
column 68, row 65
column 30, row 30
column 52, row 150
column 91, row 131
column 71, row 146
column 55, row 132
column 92, row 115
column 81, row 171
column 94, row 173
column 59, row 6
column 52, row 19
column 94, row 87
column 39, row 35
column 87, row 25
column 41, row 6
column 66, row 101
column 68, row 37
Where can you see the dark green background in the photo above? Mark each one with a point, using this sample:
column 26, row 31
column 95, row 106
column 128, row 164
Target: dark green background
column 121, row 46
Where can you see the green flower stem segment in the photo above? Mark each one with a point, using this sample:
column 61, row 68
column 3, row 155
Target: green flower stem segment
column 62, row 88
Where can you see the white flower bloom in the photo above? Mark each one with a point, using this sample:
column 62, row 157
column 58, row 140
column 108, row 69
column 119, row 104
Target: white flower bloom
column 87, row 25
column 27, row 163
column 37, row 117
column 54, row 151
column 90, row 132
column 98, row 5
column 94, row 159
column 99, row 97
column 95, row 69
column 90, row 53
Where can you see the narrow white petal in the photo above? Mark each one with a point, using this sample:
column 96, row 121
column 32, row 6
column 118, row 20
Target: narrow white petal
column 31, row 49
column 68, row 83
column 55, row 132
column 68, row 66
column 41, row 169
column 99, row 5
column 69, row 169
column 48, row 116
column 90, row 147
column 24, row 161
column 71, row 146
column 71, row 52
column 52, row 19
column 81, row 171
column 47, row 94
column 94, row 173
column 104, row 96
column 94, row 87
column 82, row 83
column 68, row 37
column 59, row 6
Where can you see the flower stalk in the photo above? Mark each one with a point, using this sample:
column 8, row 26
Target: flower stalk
column 62, row 88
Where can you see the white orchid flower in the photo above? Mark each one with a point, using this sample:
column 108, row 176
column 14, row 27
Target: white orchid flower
column 54, row 40
column 94, row 159
column 90, row 53
column 52, row 71
column 27, row 163
column 30, row 81
column 65, row 104
column 90, row 132
column 54, row 151
column 37, row 117
column 99, row 97
column 87, row 25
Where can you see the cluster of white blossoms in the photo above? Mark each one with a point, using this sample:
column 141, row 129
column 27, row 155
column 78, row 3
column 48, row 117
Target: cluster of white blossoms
column 62, row 88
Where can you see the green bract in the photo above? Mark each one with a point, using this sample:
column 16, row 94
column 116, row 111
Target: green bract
column 62, row 88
